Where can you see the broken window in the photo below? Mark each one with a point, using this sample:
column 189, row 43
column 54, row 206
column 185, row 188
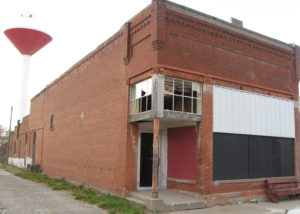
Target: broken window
column 141, row 97
column 182, row 95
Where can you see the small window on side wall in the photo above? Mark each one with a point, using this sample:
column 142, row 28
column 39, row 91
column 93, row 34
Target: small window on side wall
column 52, row 122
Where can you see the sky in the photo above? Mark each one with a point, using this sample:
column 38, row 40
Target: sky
column 79, row 26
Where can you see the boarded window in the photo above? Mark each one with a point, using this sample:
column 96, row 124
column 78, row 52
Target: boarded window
column 182, row 153
column 248, row 156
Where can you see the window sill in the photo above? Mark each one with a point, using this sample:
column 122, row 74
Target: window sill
column 182, row 112
column 138, row 113
column 245, row 180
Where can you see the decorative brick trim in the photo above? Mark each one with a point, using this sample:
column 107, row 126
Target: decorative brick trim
column 126, row 60
column 140, row 26
column 158, row 45
column 202, row 27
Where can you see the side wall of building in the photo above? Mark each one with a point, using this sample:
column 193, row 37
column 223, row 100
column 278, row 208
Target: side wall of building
column 85, row 141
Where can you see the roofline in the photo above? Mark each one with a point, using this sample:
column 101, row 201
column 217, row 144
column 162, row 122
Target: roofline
column 89, row 55
column 82, row 60
column 227, row 25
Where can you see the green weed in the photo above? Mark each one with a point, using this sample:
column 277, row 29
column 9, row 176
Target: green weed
column 112, row 204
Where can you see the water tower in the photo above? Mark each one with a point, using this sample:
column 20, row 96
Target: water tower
column 28, row 41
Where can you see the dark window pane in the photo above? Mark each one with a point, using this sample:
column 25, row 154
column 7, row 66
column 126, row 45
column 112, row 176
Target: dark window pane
column 249, row 156
column 149, row 101
column 194, row 105
column 177, row 103
column 168, row 102
column 261, row 157
column 187, row 104
column 178, row 86
column 187, row 88
column 230, row 156
column 144, row 104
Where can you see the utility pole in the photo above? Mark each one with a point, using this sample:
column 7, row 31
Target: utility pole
column 8, row 143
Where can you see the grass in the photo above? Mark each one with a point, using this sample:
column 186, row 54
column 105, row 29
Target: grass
column 112, row 204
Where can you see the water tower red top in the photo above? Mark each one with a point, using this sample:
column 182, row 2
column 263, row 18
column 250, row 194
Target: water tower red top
column 27, row 41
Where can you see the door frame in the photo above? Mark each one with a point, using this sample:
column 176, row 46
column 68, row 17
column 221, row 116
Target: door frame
column 163, row 136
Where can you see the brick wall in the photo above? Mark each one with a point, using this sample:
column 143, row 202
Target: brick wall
column 89, row 108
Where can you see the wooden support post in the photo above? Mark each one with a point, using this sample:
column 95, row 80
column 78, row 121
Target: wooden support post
column 155, row 158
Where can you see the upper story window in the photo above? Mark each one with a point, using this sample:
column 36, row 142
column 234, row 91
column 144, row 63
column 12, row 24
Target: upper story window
column 141, row 96
column 182, row 95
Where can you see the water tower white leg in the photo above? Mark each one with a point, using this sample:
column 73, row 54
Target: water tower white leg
column 24, row 104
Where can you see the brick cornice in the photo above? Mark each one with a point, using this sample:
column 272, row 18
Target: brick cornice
column 158, row 45
column 140, row 26
column 214, row 31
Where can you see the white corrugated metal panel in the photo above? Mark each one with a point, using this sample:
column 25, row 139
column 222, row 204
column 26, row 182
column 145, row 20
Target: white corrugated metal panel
column 242, row 112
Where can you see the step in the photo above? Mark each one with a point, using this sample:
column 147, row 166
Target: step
column 185, row 206
column 136, row 201
column 168, row 201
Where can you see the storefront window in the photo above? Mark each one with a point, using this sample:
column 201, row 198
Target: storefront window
column 182, row 95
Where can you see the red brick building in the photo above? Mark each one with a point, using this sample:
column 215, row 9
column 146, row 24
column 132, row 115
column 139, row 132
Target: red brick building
column 176, row 99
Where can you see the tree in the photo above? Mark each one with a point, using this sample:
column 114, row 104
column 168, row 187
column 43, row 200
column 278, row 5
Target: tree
column 3, row 144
